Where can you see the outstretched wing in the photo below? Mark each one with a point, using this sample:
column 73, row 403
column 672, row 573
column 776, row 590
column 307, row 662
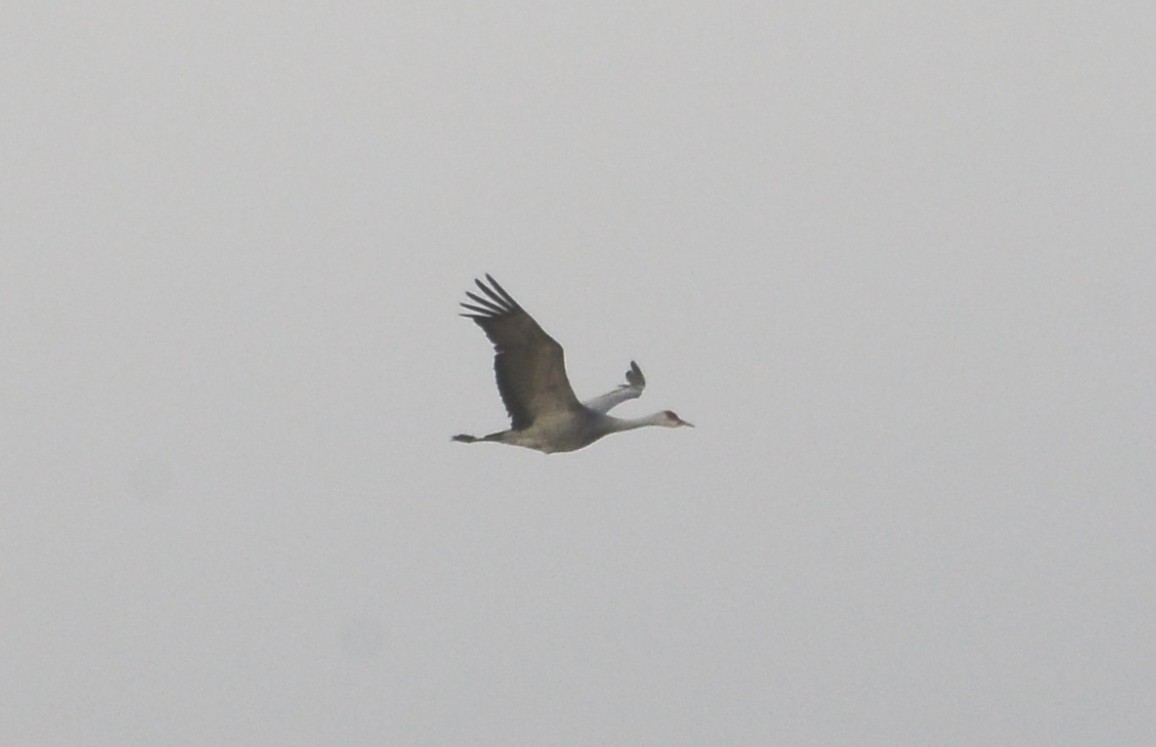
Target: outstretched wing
column 528, row 363
column 632, row 389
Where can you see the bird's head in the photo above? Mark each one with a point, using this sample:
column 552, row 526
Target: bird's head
column 670, row 420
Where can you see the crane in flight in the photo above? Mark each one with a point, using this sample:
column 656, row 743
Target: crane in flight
column 531, row 372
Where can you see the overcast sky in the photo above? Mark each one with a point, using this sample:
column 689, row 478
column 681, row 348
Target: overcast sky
column 896, row 261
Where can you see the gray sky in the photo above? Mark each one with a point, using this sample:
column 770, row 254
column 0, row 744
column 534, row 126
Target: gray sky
column 895, row 260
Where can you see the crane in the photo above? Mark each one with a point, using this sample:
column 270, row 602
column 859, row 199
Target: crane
column 531, row 371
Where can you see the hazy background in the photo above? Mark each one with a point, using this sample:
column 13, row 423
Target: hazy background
column 895, row 260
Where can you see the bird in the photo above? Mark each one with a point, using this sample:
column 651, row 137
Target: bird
column 530, row 368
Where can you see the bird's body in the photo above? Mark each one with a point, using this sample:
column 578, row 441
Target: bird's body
column 567, row 432
column 531, row 372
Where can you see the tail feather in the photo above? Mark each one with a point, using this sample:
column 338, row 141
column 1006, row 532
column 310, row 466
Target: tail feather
column 466, row 439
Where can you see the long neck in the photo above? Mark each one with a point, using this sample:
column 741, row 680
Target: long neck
column 614, row 425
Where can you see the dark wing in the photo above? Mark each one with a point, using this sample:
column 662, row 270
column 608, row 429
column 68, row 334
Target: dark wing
column 529, row 365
